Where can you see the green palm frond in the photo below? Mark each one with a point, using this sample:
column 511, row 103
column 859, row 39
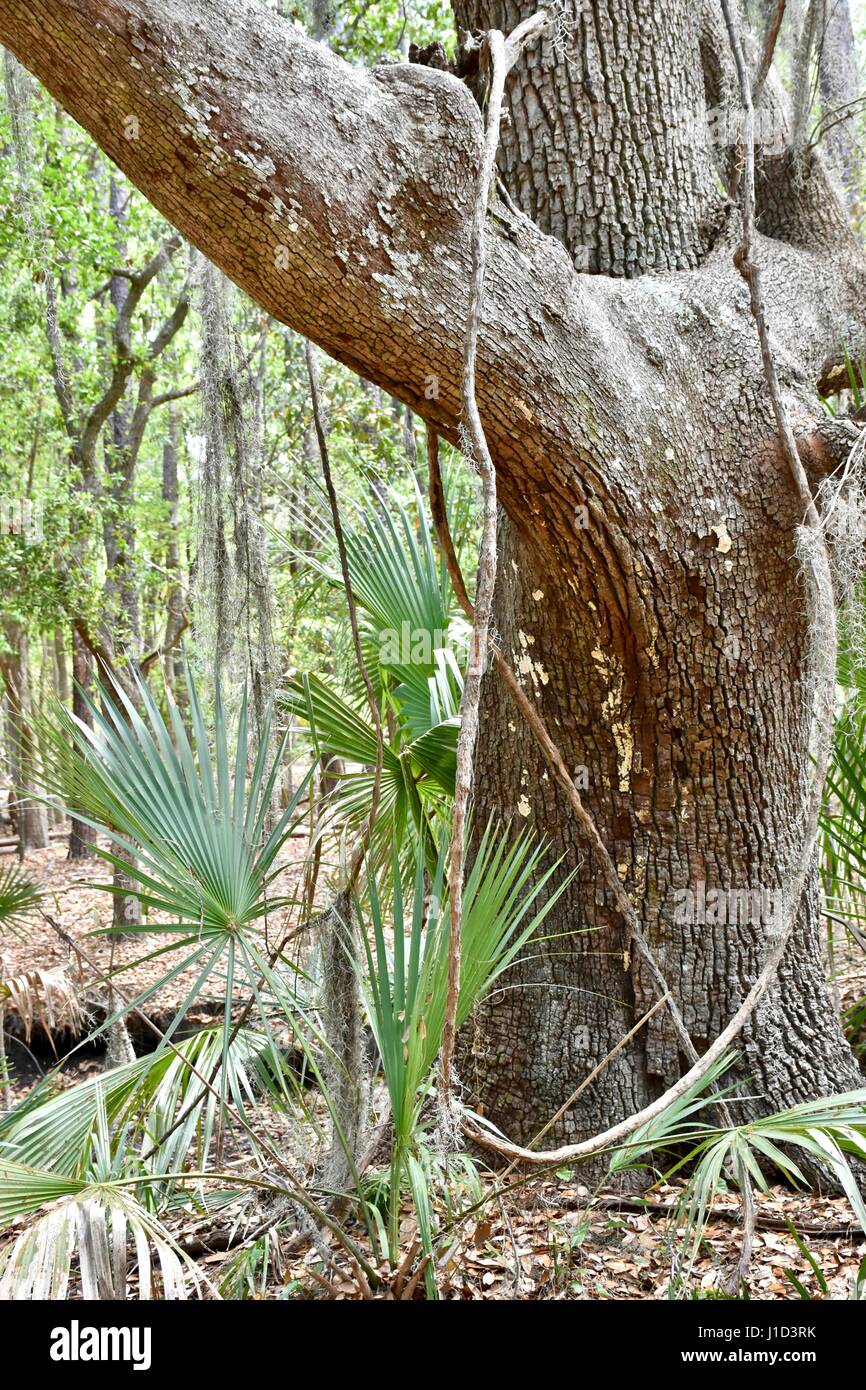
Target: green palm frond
column 504, row 901
column 396, row 574
column 335, row 725
column 198, row 827
column 827, row 1132
column 414, row 639
column 507, row 895
column 843, row 821
column 19, row 895
column 197, row 821
column 417, row 780
column 405, row 605
column 142, row 1101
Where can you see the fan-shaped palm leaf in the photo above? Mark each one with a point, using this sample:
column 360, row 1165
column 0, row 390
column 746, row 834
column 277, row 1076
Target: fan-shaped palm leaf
column 88, row 1225
column 19, row 895
column 142, row 1100
column 826, row 1131
column 197, row 822
column 507, row 894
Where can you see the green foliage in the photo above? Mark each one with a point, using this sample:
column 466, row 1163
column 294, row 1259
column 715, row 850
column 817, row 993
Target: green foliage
column 414, row 648
column 247, row 1273
column 19, row 896
column 827, row 1132
column 844, row 817
column 503, row 904
column 816, row 1269
column 197, row 823
column 141, row 1101
column 406, row 981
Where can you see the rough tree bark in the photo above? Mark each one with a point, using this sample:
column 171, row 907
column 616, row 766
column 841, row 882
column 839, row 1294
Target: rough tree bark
column 120, row 626
column 649, row 596
column 82, row 837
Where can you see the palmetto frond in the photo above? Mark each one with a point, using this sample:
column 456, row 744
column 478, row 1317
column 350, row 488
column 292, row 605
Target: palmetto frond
column 142, row 1101
column 197, row 820
column 827, row 1132
column 19, row 895
column 504, row 901
column 414, row 641
column 44, row 997
column 87, row 1228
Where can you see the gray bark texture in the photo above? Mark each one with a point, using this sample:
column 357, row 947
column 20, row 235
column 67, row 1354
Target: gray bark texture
column 843, row 87
column 648, row 592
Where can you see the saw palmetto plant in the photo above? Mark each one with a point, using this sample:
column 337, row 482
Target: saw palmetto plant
column 190, row 820
column 19, row 896
column 142, row 1099
column 823, row 1135
column 508, row 892
column 86, row 1230
column 414, row 643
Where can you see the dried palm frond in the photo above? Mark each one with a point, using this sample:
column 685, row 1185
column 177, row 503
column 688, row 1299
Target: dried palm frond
column 87, row 1227
column 44, row 997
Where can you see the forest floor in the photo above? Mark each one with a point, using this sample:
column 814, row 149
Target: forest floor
column 549, row 1238
column 83, row 911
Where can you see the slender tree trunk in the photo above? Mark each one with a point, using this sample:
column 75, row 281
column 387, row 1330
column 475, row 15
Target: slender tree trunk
column 172, row 661
column 843, row 87
column 121, row 624
column 30, row 816
column 81, row 837
column 61, row 668
column 48, row 687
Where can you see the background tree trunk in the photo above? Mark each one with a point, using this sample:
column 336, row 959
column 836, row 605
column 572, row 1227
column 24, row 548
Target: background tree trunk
column 172, row 660
column 842, row 85
column 30, row 817
column 121, row 626
column 82, row 837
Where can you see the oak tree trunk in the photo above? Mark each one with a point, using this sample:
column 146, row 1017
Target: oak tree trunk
column 664, row 651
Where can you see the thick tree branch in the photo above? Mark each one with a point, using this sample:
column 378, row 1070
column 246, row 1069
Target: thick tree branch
column 340, row 200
